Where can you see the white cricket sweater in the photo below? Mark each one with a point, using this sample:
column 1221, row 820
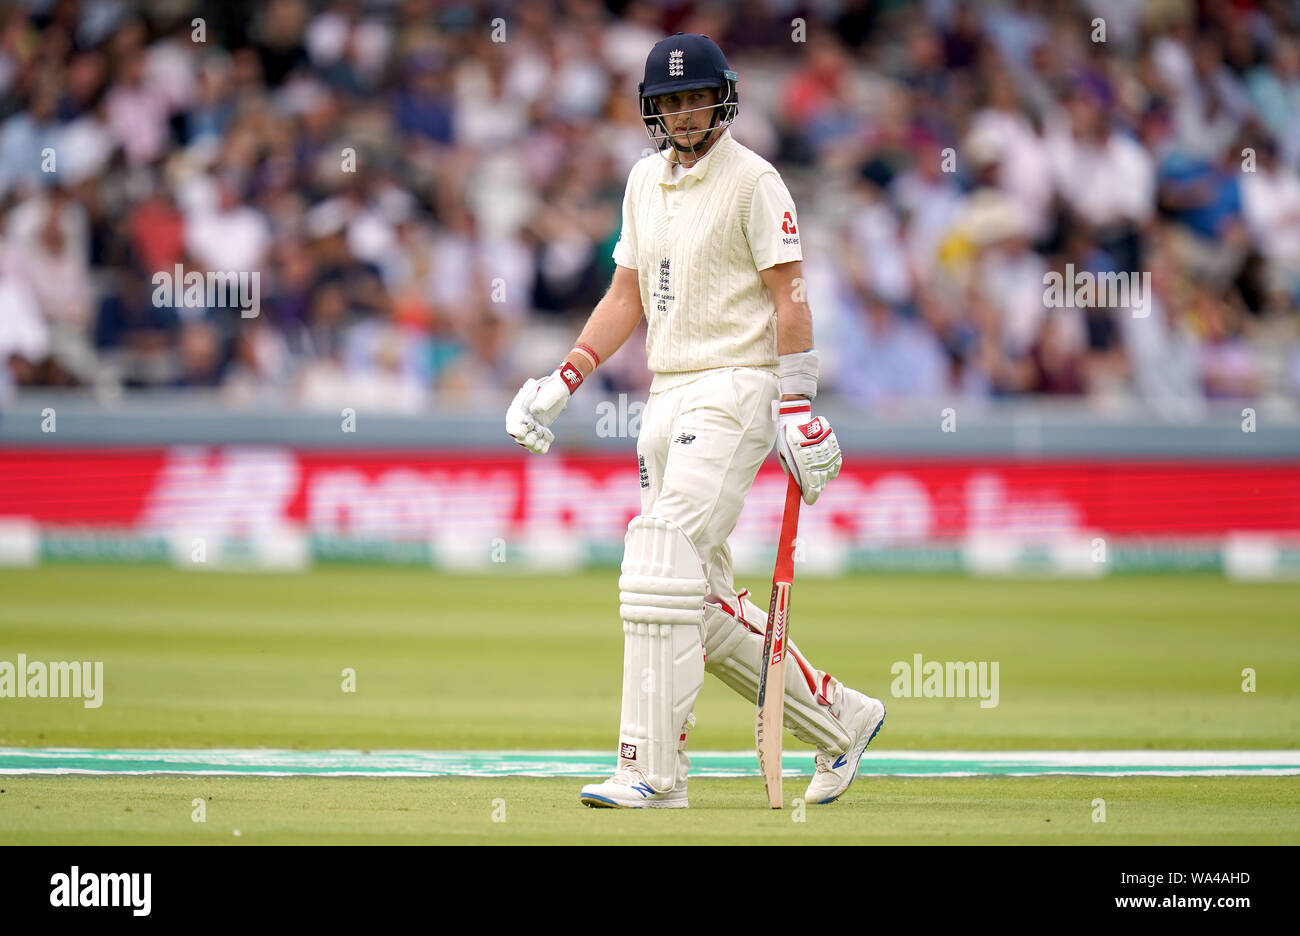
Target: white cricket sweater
column 698, row 245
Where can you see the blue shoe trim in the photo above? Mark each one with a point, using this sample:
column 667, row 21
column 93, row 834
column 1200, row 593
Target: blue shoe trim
column 883, row 713
column 592, row 796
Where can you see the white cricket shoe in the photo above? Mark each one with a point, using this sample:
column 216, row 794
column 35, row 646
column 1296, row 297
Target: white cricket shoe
column 628, row 789
column 863, row 717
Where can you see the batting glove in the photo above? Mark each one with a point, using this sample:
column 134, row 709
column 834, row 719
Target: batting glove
column 807, row 447
column 537, row 404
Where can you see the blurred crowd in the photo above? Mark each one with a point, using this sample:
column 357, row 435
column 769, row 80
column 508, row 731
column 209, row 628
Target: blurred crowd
column 430, row 191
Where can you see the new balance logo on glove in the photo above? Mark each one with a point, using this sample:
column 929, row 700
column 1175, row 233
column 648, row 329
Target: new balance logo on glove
column 808, row 448
column 814, row 431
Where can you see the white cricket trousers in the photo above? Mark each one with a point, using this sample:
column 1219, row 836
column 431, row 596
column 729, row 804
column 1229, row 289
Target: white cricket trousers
column 699, row 450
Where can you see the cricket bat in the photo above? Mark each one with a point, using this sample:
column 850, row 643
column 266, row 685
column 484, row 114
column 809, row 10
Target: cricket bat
column 770, row 720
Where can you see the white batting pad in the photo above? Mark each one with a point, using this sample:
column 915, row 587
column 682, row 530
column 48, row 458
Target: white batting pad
column 734, row 653
column 661, row 594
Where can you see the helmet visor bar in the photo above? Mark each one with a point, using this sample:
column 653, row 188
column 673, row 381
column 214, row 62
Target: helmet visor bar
column 656, row 121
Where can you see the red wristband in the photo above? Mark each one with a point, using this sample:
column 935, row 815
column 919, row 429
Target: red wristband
column 595, row 358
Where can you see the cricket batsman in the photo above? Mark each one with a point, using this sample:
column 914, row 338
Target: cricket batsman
column 709, row 253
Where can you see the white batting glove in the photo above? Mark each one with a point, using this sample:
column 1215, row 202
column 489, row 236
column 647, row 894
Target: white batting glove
column 537, row 404
column 807, row 446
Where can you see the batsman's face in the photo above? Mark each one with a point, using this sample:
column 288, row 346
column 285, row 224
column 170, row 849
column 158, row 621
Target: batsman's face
column 688, row 115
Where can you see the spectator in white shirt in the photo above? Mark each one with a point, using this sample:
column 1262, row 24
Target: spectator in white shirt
column 1270, row 202
column 1105, row 177
column 138, row 114
column 232, row 238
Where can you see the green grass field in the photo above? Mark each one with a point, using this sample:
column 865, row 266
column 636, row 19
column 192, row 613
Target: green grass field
column 197, row 660
column 1000, row 810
